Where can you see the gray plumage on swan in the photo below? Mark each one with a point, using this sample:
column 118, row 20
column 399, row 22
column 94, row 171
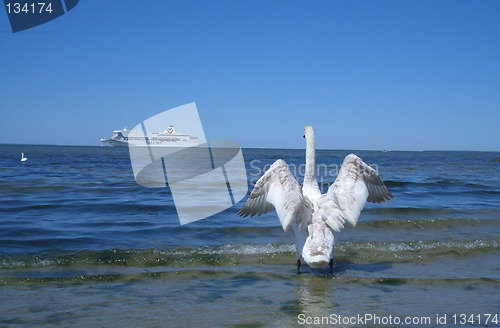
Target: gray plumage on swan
column 314, row 216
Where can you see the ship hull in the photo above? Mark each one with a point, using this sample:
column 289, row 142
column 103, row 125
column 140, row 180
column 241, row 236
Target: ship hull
column 178, row 144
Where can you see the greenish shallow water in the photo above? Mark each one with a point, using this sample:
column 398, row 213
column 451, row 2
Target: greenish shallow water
column 242, row 296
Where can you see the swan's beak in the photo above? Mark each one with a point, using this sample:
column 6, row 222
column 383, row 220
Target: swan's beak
column 304, row 136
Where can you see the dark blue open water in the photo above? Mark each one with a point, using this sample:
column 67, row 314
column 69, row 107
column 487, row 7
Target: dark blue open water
column 81, row 244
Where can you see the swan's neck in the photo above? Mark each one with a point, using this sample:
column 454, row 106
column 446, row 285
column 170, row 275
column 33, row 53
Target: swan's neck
column 310, row 160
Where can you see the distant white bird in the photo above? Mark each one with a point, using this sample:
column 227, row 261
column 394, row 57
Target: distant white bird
column 312, row 215
column 23, row 159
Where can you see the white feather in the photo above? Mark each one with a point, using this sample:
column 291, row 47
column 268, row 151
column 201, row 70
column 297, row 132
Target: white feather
column 278, row 189
column 304, row 207
column 355, row 184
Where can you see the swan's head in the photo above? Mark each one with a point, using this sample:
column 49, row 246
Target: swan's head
column 308, row 131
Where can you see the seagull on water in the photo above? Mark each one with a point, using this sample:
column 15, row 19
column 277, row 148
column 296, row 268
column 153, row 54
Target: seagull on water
column 311, row 215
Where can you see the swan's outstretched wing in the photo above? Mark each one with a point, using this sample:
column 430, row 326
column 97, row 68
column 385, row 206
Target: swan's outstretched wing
column 278, row 189
column 356, row 183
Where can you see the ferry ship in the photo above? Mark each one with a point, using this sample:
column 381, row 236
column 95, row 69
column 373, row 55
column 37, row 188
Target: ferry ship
column 167, row 138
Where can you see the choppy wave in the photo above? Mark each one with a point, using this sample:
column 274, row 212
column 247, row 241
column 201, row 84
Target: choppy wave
column 438, row 183
column 128, row 265
column 160, row 233
column 233, row 255
column 428, row 223
column 221, row 274
column 422, row 212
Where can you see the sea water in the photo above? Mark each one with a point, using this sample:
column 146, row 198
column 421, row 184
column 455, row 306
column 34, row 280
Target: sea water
column 81, row 244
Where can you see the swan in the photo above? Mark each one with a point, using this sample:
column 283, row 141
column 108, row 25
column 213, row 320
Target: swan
column 311, row 215
column 23, row 159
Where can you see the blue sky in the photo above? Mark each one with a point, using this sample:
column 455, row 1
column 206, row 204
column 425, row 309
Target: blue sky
column 400, row 75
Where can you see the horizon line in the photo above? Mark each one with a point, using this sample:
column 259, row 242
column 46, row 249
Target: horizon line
column 378, row 150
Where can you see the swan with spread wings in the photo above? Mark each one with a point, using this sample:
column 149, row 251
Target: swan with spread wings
column 311, row 215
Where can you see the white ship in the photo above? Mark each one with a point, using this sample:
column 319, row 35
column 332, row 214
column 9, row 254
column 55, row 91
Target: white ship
column 167, row 138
